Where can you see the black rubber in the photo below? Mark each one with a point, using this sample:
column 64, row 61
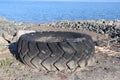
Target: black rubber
column 53, row 51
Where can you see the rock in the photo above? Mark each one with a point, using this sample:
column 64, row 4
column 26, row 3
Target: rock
column 3, row 44
column 117, row 26
column 100, row 21
column 51, row 24
column 118, row 40
column 7, row 37
column 3, row 41
column 110, row 23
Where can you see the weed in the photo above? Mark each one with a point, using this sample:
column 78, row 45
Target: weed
column 6, row 62
column 98, row 62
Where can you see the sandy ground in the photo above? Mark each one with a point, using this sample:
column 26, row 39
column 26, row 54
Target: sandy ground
column 105, row 68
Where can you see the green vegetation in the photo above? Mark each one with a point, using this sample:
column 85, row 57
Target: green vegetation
column 98, row 62
column 6, row 62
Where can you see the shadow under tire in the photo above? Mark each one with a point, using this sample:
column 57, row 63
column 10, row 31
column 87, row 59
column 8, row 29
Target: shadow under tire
column 53, row 51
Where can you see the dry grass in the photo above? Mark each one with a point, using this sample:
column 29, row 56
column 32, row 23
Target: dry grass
column 106, row 51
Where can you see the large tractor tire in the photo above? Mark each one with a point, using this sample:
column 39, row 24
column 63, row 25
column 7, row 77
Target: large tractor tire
column 53, row 51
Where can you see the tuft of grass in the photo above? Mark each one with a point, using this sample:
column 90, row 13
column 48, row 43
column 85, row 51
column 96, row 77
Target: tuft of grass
column 98, row 62
column 6, row 62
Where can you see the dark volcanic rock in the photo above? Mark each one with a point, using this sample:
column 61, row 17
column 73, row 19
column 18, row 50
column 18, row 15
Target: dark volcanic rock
column 103, row 27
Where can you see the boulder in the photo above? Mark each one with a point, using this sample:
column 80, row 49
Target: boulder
column 7, row 36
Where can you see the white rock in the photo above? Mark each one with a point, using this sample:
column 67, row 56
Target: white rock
column 117, row 25
column 3, row 41
column 110, row 23
column 7, row 36
column 100, row 21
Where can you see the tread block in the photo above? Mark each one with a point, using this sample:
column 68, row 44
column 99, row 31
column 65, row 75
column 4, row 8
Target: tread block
column 79, row 48
column 19, row 45
column 36, row 61
column 27, row 60
column 61, row 64
column 54, row 47
column 43, row 49
column 56, row 53
column 73, row 63
column 48, row 64
column 33, row 50
column 67, row 50
column 24, row 48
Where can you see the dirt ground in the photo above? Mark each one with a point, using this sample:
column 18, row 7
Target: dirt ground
column 106, row 67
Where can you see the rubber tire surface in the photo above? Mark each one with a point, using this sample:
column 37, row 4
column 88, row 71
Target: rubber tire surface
column 75, row 51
